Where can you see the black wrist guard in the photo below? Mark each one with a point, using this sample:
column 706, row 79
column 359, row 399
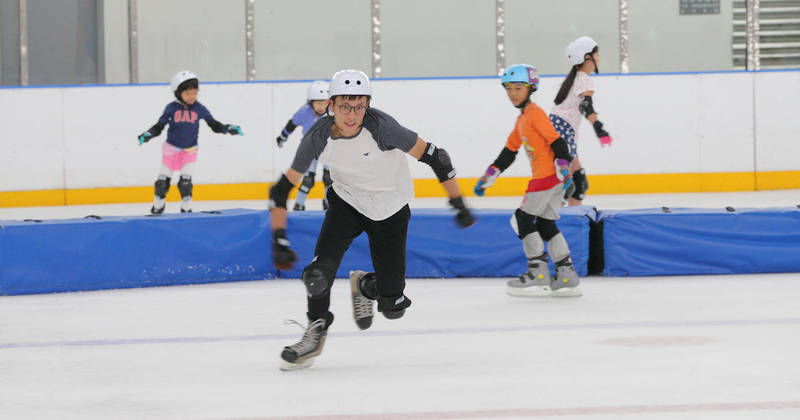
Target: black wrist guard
column 598, row 129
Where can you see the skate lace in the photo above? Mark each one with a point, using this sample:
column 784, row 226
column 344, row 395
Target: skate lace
column 311, row 336
column 362, row 306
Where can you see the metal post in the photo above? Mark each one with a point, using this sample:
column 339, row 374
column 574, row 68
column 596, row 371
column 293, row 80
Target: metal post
column 250, row 49
column 133, row 41
column 500, row 35
column 623, row 37
column 376, row 38
column 24, row 75
column 752, row 34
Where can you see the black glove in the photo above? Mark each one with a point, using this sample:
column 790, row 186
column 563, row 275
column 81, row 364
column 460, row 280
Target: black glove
column 281, row 140
column 282, row 256
column 463, row 217
column 598, row 129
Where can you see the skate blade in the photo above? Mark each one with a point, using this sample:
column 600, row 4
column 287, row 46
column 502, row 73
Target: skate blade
column 567, row 292
column 533, row 291
column 287, row 366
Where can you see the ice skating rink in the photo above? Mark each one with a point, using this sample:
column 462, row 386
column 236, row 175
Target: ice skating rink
column 699, row 347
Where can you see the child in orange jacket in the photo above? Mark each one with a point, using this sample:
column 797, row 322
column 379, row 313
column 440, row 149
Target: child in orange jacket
column 534, row 220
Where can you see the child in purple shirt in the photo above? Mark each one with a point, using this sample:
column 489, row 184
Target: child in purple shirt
column 306, row 116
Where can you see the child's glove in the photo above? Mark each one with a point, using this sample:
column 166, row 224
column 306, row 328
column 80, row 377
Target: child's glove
column 235, row 130
column 487, row 180
column 281, row 140
column 562, row 172
column 282, row 256
column 144, row 137
column 602, row 135
column 464, row 218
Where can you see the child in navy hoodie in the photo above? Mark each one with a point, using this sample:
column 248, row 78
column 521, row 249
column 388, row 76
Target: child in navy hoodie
column 179, row 152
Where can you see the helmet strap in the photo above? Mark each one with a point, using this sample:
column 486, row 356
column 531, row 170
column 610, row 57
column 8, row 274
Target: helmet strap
column 527, row 100
column 596, row 68
column 178, row 96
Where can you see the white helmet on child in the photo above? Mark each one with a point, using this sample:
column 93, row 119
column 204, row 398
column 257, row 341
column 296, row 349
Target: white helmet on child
column 350, row 82
column 318, row 91
column 179, row 78
column 577, row 49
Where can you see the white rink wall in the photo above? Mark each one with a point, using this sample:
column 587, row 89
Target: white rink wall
column 85, row 137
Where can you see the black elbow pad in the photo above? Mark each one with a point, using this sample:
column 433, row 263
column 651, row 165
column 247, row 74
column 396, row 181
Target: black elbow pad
column 586, row 106
column 438, row 159
column 280, row 192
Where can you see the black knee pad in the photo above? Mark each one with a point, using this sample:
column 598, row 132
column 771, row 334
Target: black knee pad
column 318, row 279
column 393, row 307
column 185, row 186
column 326, row 178
column 547, row 228
column 526, row 223
column 162, row 186
column 308, row 182
column 581, row 184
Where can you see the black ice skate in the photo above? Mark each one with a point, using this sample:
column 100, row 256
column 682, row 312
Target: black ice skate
column 160, row 210
column 298, row 207
column 301, row 354
column 362, row 305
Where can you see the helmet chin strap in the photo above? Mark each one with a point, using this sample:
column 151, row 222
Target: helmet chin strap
column 527, row 100
column 596, row 68
column 177, row 95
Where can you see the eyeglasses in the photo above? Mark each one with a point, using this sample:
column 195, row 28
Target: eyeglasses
column 345, row 109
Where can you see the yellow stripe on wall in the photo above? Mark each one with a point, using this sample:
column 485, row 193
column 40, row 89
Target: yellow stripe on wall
column 509, row 186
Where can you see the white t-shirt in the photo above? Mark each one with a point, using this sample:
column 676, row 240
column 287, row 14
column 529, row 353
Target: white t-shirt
column 568, row 110
column 369, row 170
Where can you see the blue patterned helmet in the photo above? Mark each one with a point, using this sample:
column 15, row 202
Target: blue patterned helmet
column 521, row 73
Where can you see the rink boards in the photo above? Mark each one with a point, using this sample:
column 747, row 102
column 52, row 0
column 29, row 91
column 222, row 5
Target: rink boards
column 234, row 245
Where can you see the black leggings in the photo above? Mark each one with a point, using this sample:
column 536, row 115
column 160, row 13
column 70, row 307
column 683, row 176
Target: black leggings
column 387, row 246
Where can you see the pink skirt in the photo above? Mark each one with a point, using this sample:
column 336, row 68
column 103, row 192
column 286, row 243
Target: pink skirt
column 175, row 158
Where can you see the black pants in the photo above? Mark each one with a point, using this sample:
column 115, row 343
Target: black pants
column 387, row 247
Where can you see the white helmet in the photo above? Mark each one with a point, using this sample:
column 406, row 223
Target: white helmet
column 578, row 49
column 181, row 77
column 350, row 82
column 318, row 91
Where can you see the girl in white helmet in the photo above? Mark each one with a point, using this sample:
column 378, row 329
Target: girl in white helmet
column 365, row 150
column 306, row 116
column 574, row 102
column 179, row 152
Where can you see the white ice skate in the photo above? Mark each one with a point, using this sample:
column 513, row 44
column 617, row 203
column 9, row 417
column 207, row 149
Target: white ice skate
column 301, row 355
column 362, row 305
column 159, row 204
